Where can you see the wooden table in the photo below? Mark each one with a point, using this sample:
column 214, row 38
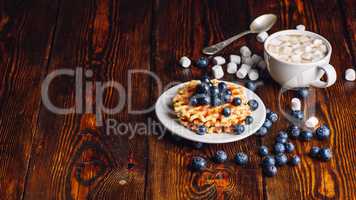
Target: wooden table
column 50, row 156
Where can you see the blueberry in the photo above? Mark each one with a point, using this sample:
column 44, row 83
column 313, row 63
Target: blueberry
column 282, row 134
column 201, row 130
column 303, row 92
column 322, row 133
column 222, row 86
column 202, row 62
column 272, row 116
column 314, row 152
column 214, row 91
column 241, row 158
column 216, row 101
column 237, row 101
column 194, row 101
column 203, row 100
column 202, row 88
column 294, row 131
column 253, row 104
column 198, row 145
column 227, row 91
column 298, row 114
column 198, row 163
column 279, row 148
column 295, row 160
column 268, row 161
column 281, row 159
column 205, row 79
column 251, row 85
column 226, row 111
column 248, row 120
column 239, row 129
column 220, row 156
column 289, row 147
column 263, row 151
column 306, row 135
column 325, row 154
column 262, row 131
column 281, row 140
column 226, row 98
column 270, row 170
column 267, row 123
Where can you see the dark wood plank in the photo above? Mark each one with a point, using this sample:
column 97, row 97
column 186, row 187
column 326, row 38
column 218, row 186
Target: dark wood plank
column 25, row 43
column 349, row 18
column 184, row 28
column 72, row 158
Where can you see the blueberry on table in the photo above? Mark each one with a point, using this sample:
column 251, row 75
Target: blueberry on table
column 322, row 133
column 239, row 129
column 201, row 130
column 253, row 104
column 294, row 131
column 314, row 152
column 268, row 161
column 297, row 114
column 222, row 86
column 202, row 88
column 226, row 98
column 251, row 85
column 202, row 62
column 325, row 154
column 295, row 160
column 281, row 159
column 303, row 92
column 263, row 151
column 227, row 91
column 280, row 140
column 237, row 101
column 272, row 116
column 198, row 163
column 306, row 135
column 262, row 131
column 216, row 101
column 226, row 111
column 267, row 123
column 270, row 170
column 214, row 91
column 282, row 134
column 289, row 147
column 249, row 120
column 220, row 156
column 205, row 79
column 241, row 158
column 279, row 148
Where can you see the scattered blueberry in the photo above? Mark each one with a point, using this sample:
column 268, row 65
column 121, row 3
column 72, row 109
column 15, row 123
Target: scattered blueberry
column 262, row 131
column 214, row 91
column 306, row 135
column 281, row 140
column 267, row 123
column 220, row 156
column 298, row 114
column 237, row 101
column 272, row 116
column 322, row 133
column 228, row 92
column 263, row 151
column 239, row 129
column 279, row 148
column 281, row 159
column 198, row 163
column 251, row 85
column 295, row 160
column 226, row 111
column 289, row 147
column 202, row 88
column 314, row 152
column 248, row 120
column 201, row 130
column 222, row 86
column 270, row 170
column 203, row 100
column 216, row 101
column 268, row 161
column 253, row 104
column 325, row 154
column 226, row 98
column 294, row 131
column 282, row 137
column 205, row 79
column 202, row 62
column 194, row 101
column 303, row 92
column 241, row 158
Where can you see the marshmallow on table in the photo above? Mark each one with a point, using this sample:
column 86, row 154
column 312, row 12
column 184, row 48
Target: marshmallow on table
column 350, row 74
column 296, row 104
column 300, row 27
column 245, row 51
column 231, row 68
column 219, row 60
column 256, row 59
column 261, row 37
column 235, row 59
column 311, row 122
column 242, row 72
column 262, row 65
column 185, row 62
column 247, row 60
column 253, row 74
column 218, row 71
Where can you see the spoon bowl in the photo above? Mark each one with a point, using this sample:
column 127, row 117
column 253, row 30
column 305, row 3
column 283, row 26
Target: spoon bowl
column 263, row 23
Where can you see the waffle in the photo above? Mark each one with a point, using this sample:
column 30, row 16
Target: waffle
column 211, row 117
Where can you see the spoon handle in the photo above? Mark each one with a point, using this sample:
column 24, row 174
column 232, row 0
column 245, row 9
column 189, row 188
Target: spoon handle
column 213, row 49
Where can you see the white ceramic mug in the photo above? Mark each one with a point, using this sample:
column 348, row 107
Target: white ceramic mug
column 292, row 75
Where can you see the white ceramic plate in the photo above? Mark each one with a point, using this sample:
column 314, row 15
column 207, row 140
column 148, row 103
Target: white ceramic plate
column 168, row 118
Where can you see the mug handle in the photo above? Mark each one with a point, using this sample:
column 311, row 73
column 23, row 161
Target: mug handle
column 330, row 74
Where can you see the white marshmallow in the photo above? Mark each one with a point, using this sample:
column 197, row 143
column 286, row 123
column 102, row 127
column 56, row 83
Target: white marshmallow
column 256, row 59
column 242, row 72
column 307, row 56
column 300, row 27
column 296, row 58
column 275, row 42
column 311, row 122
column 247, row 60
column 218, row 71
column 261, row 37
column 235, row 59
column 245, row 51
column 231, row 68
column 253, row 74
column 323, row 48
column 219, row 60
column 350, row 74
column 286, row 50
column 185, row 62
column 308, row 48
column 296, row 104
column 317, row 42
column 262, row 65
